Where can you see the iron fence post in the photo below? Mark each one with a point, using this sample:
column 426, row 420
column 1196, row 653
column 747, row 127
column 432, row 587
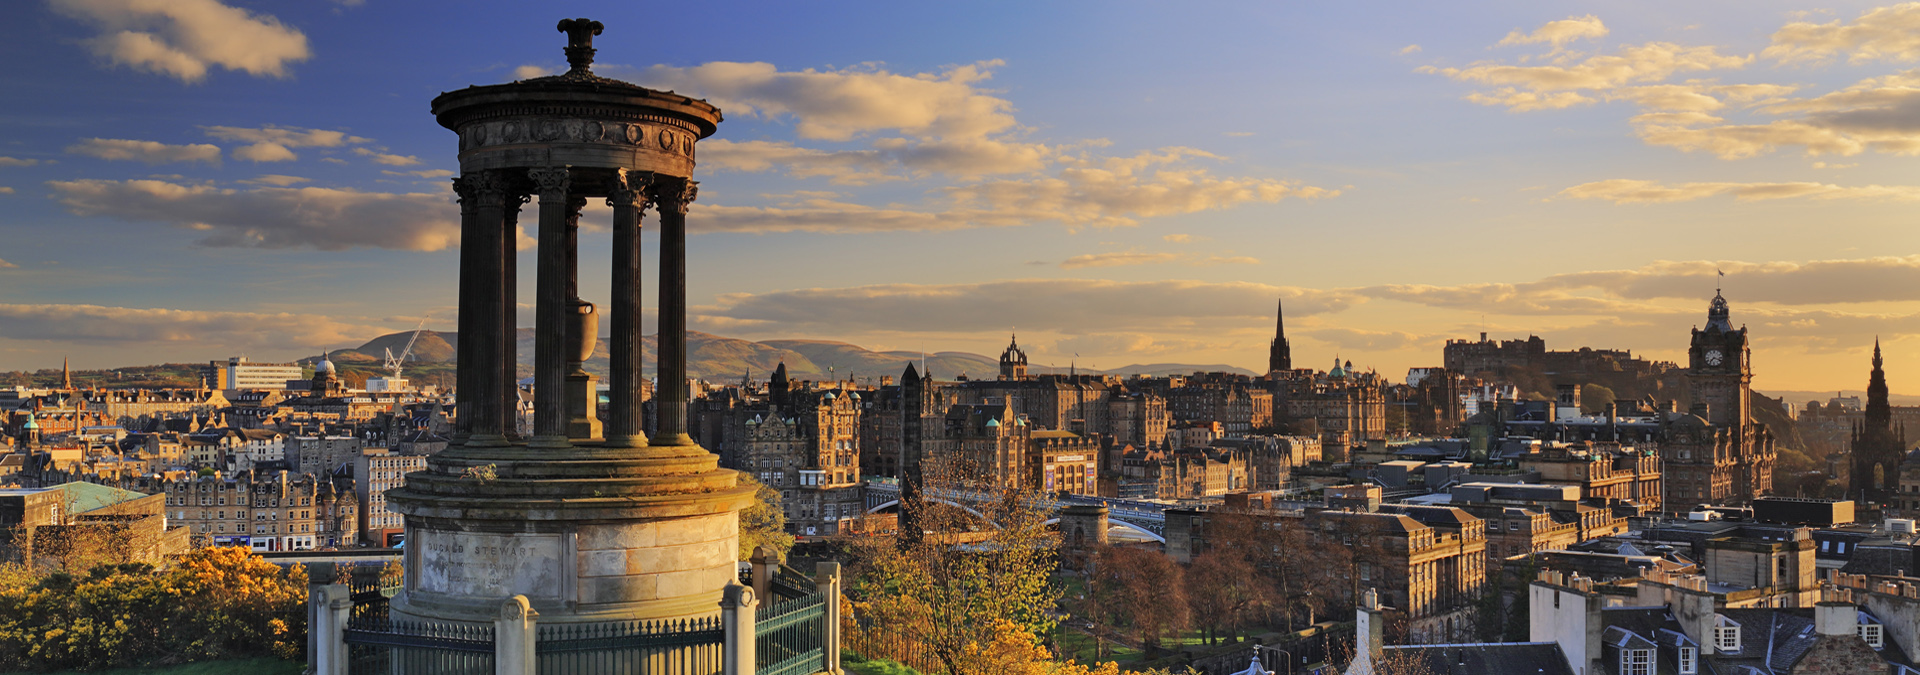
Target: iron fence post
column 513, row 638
column 737, row 605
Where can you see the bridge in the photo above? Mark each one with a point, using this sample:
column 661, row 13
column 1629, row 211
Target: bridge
column 1148, row 518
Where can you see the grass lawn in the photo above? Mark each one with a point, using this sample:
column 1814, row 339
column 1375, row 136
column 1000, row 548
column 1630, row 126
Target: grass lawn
column 852, row 663
column 260, row 666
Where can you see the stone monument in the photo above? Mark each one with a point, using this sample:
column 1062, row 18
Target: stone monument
column 590, row 524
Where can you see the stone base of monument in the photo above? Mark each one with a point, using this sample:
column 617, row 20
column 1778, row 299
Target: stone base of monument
column 587, row 534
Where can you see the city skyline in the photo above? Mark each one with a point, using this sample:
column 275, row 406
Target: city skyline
column 207, row 179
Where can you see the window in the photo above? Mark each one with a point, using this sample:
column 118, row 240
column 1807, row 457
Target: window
column 1689, row 661
column 1636, row 662
column 1726, row 634
column 1873, row 634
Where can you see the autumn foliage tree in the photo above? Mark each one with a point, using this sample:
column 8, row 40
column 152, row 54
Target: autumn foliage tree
column 213, row 603
column 968, row 589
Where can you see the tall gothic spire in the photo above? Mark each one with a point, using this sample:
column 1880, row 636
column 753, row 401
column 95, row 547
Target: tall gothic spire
column 1280, row 355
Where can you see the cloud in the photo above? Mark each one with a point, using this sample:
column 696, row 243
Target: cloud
column 1859, row 280
column 838, row 105
column 273, row 143
column 95, row 324
column 12, row 161
column 1556, row 33
column 1556, row 85
column 1117, row 259
column 1177, row 238
column 1698, row 96
column 1371, row 341
column 1066, row 305
column 1628, row 191
column 184, row 38
column 1228, row 260
column 1409, row 49
column 389, row 160
column 1102, row 192
column 277, row 180
column 1881, row 34
column 4, row 265
column 275, row 217
column 424, row 173
column 6, row 190
column 841, row 167
column 151, row 152
column 530, row 71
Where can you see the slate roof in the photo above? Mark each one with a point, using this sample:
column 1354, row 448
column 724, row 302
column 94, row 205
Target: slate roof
column 1514, row 658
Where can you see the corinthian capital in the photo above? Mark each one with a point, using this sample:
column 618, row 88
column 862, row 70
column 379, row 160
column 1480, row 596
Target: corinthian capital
column 480, row 188
column 630, row 188
column 672, row 193
column 552, row 182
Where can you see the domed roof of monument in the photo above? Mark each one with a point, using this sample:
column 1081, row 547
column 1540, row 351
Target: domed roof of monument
column 324, row 366
column 577, row 85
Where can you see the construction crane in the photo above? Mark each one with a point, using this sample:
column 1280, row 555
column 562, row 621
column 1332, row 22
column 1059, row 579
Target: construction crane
column 393, row 362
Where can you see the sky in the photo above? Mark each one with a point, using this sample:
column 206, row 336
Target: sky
column 1117, row 182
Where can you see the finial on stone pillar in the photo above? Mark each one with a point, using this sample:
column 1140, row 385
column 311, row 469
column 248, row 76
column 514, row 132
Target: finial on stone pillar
column 580, row 50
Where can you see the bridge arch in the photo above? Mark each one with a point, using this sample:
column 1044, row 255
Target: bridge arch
column 957, row 505
column 1111, row 523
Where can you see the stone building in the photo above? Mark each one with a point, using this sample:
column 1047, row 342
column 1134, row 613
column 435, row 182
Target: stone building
column 1138, row 418
column 1063, row 462
column 322, row 454
column 806, row 444
column 1602, row 471
column 1718, row 454
column 374, row 473
column 984, row 444
column 1428, row 563
column 266, row 512
column 1344, row 408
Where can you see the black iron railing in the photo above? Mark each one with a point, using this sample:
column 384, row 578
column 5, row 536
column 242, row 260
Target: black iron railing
column 788, row 636
column 682, row 647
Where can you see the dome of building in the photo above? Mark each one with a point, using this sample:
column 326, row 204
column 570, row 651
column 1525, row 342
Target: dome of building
column 30, row 424
column 324, row 366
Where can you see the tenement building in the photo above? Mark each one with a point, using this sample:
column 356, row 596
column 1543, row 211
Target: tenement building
column 266, row 512
column 1427, row 562
column 806, row 444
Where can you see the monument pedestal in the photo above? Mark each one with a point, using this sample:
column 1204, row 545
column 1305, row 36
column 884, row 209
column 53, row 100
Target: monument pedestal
column 603, row 534
column 583, row 407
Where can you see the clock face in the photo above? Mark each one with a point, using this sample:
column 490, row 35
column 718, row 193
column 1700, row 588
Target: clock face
column 1713, row 357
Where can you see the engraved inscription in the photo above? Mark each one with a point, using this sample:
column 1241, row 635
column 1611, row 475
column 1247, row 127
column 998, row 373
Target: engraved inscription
column 492, row 565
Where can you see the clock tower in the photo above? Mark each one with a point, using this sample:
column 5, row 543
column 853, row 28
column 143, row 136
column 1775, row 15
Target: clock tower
column 1720, row 371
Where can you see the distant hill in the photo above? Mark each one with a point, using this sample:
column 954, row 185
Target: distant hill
column 719, row 358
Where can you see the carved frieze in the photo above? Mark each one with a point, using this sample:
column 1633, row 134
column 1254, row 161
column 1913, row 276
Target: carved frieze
column 655, row 136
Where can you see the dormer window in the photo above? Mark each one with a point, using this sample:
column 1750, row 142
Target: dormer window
column 1726, row 634
column 1689, row 661
column 1636, row 662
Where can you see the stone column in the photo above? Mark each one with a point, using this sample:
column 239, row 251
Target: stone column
column 514, row 634
column 766, row 564
column 488, row 425
column 510, row 313
column 672, row 196
column 629, row 202
column 550, row 311
column 464, row 385
column 328, row 608
column 826, row 579
column 737, row 605
column 583, row 334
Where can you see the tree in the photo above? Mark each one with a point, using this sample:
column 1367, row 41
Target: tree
column 1595, row 399
column 1225, row 591
column 939, row 599
column 1143, row 590
column 764, row 523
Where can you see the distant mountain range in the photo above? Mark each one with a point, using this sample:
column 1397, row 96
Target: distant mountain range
column 717, row 358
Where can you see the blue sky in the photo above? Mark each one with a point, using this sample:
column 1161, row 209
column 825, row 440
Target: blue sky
column 1130, row 182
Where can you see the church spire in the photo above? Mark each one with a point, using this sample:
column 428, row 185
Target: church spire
column 66, row 374
column 1280, row 355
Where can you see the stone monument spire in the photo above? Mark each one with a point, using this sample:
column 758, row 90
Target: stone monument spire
column 1280, row 354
